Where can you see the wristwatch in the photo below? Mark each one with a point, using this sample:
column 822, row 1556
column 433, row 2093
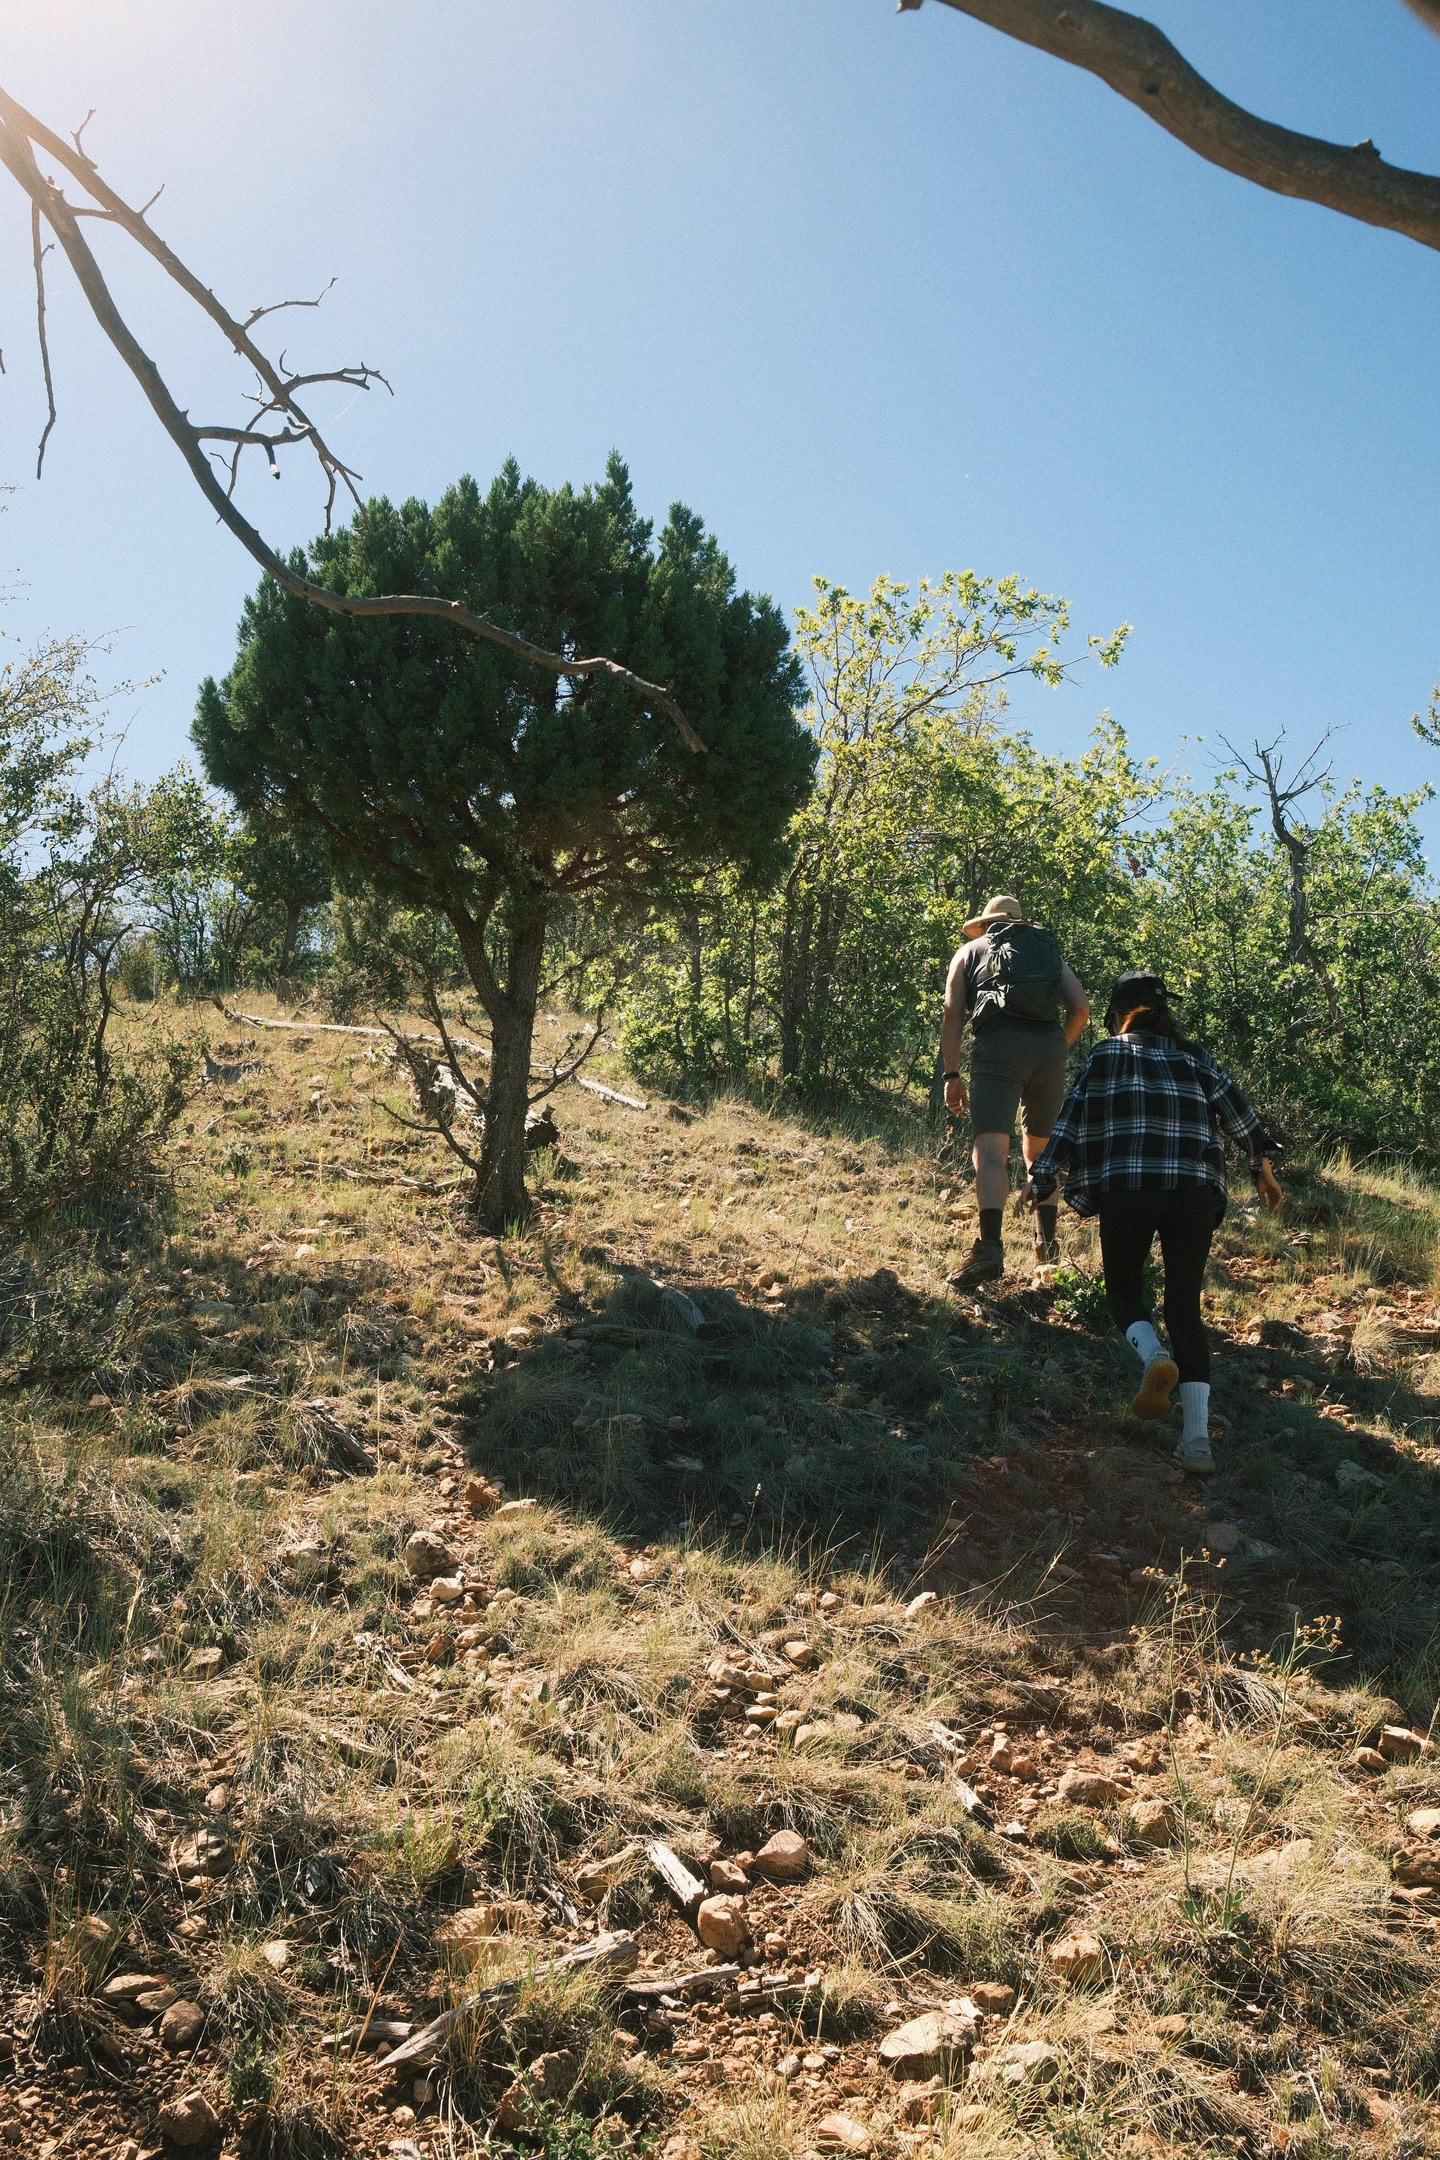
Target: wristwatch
column 951, row 1076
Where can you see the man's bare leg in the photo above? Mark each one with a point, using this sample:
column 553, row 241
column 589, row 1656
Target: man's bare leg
column 992, row 1185
column 992, row 1175
column 1047, row 1217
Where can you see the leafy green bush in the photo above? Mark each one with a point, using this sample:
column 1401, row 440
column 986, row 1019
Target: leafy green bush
column 79, row 1120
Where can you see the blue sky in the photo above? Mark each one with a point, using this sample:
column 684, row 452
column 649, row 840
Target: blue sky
column 869, row 292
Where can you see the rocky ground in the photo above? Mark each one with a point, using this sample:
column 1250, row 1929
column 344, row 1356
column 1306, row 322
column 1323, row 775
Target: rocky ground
column 681, row 1679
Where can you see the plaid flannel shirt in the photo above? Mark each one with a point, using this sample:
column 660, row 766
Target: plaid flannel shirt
column 1147, row 1113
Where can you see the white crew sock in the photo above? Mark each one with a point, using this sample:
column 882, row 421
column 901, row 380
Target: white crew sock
column 1195, row 1403
column 1144, row 1341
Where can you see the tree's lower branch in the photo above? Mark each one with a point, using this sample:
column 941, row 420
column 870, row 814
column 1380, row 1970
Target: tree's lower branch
column 17, row 131
column 1140, row 63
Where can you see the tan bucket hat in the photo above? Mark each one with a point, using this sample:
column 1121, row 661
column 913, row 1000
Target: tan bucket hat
column 1004, row 907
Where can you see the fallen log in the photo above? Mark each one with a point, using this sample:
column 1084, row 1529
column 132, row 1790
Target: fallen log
column 686, row 1889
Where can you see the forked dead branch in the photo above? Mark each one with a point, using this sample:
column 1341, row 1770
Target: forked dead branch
column 281, row 421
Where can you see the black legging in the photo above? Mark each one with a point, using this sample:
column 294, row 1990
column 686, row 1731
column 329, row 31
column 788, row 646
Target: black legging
column 1185, row 1219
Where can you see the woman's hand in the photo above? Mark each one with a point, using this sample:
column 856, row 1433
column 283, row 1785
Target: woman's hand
column 1267, row 1187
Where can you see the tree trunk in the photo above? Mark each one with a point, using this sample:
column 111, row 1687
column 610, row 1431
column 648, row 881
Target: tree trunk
column 292, row 932
column 500, row 1197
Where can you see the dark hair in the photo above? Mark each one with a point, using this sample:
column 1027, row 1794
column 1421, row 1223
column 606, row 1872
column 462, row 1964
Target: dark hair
column 1139, row 991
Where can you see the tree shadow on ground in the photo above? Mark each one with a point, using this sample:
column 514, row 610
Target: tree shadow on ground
column 981, row 1447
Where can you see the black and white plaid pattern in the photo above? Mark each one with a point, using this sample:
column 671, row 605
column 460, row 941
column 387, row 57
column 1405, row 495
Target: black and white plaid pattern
column 1146, row 1112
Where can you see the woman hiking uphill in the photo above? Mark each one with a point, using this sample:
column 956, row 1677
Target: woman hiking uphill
column 1139, row 1135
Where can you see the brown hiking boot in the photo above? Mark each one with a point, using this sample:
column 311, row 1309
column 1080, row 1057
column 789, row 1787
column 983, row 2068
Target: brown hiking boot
column 986, row 1261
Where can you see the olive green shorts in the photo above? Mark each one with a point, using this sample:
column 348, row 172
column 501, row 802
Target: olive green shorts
column 1020, row 1069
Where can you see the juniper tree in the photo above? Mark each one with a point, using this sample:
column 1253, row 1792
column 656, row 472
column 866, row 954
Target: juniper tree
column 462, row 777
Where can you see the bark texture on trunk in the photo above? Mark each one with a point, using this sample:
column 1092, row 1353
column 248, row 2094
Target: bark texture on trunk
column 500, row 1197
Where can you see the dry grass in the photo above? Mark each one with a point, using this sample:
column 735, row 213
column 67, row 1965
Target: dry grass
column 176, row 1481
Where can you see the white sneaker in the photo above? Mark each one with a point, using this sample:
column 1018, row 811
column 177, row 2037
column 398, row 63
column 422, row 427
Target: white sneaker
column 1195, row 1456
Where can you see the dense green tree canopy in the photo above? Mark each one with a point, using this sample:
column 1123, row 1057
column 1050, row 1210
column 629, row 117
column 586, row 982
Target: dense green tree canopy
column 459, row 776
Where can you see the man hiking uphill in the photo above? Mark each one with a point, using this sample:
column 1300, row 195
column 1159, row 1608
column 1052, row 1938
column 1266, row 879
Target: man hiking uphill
column 1008, row 979
column 1140, row 1137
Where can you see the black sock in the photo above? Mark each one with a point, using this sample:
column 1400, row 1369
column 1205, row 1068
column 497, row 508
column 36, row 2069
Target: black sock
column 1048, row 1217
column 992, row 1222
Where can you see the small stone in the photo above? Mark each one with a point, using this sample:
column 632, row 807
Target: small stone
column 1176, row 2027
column 548, row 2079
column 761, row 1714
column 597, row 1876
column 192, row 1927
column 1222, row 1538
column 128, row 1988
column 427, row 1555
column 403, row 2118
column 1416, row 1870
column 829, row 1601
column 190, row 2120
column 481, row 1497
column 511, row 1508
column 801, row 1654
column 1036, row 2061
column 156, row 1999
column 788, row 1721
column 207, row 1853
column 1423, row 1821
column 918, row 2102
column 1152, row 1821
column 1368, row 1758
column 1090, row 1788
column 422, row 2092
column 447, row 1589
column 725, row 1875
column 217, row 1799
column 720, row 1924
column 1142, row 1755
column 841, row 2133
column 816, row 1730
column 783, row 1858
column 181, row 2026
column 465, row 1936
column 920, row 1604
column 993, row 1997
column 276, row 1954
column 1397, row 1743
column 208, row 1659
column 1079, row 1957
column 1352, row 1477
column 928, row 2045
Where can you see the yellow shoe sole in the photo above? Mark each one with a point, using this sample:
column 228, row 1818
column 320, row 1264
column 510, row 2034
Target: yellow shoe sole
column 1162, row 1377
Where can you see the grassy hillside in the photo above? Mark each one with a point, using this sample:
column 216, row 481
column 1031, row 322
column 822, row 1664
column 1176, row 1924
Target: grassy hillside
column 1071, row 1740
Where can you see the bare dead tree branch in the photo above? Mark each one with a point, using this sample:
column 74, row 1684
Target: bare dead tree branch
column 258, row 314
column 39, row 253
column 1300, row 948
column 20, row 134
column 1140, row 63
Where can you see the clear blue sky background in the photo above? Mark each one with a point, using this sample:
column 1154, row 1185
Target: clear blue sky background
column 870, row 292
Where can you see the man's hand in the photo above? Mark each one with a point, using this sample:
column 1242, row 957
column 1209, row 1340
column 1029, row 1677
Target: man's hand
column 957, row 1096
column 1267, row 1187
column 1027, row 1197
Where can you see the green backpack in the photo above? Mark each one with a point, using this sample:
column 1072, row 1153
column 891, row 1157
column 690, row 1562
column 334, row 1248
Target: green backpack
column 1018, row 979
